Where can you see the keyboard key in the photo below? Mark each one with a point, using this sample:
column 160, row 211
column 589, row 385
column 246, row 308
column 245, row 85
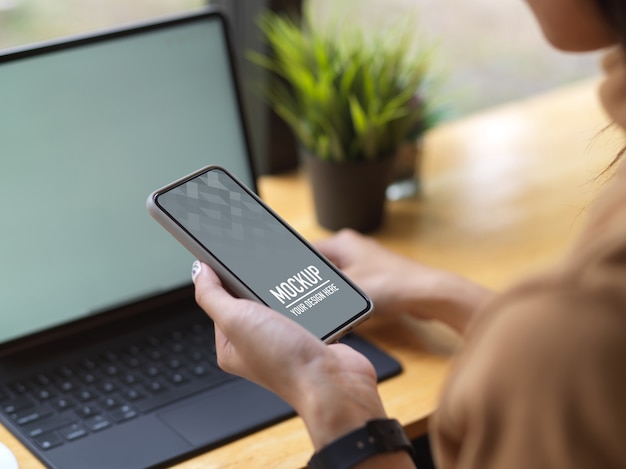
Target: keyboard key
column 174, row 363
column 155, row 354
column 48, row 424
column 73, row 431
column 196, row 355
column 177, row 336
column 88, row 364
column 49, row 440
column 20, row 387
column 177, row 378
column 43, row 379
column 16, row 404
column 107, row 387
column 156, row 386
column 113, row 402
column 111, row 357
column 153, row 341
column 89, row 378
column 152, row 371
column 134, row 350
column 177, row 347
column 65, row 372
column 63, row 403
column 125, row 412
column 84, row 395
column 111, row 370
column 87, row 410
column 44, row 394
column 31, row 414
column 132, row 362
column 130, row 378
column 66, row 385
column 97, row 422
column 199, row 369
column 198, row 329
column 133, row 394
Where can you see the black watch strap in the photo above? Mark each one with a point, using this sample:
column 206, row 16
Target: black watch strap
column 377, row 436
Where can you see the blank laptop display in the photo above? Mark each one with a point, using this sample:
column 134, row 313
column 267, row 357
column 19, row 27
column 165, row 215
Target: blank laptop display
column 105, row 360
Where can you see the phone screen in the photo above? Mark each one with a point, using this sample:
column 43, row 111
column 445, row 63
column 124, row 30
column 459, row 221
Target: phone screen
column 266, row 255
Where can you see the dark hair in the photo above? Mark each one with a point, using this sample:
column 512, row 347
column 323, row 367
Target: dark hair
column 615, row 12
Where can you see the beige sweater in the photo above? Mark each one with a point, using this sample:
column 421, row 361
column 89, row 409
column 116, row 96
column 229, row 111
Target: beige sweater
column 541, row 382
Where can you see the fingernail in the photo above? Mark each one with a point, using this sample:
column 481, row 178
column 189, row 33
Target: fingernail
column 195, row 270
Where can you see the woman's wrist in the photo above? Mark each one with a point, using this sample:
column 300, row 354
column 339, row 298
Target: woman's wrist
column 328, row 419
column 334, row 401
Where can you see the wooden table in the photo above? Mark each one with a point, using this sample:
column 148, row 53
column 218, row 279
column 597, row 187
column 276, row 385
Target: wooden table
column 503, row 193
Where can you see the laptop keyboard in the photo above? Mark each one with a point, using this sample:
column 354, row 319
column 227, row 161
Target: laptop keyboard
column 94, row 393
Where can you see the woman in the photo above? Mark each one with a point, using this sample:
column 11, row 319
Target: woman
column 541, row 381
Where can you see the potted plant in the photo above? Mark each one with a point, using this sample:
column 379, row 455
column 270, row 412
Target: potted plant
column 351, row 99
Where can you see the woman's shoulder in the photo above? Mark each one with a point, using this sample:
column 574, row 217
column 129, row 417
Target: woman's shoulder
column 540, row 382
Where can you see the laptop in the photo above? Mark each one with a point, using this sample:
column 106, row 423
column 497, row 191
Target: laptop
column 105, row 359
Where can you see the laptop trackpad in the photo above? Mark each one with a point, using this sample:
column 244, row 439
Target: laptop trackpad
column 230, row 411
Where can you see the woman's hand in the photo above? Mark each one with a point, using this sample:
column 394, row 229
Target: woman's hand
column 333, row 388
column 397, row 284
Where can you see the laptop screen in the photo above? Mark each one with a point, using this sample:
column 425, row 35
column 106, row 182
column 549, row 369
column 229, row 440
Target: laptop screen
column 87, row 130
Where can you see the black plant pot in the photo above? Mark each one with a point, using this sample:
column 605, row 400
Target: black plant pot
column 349, row 195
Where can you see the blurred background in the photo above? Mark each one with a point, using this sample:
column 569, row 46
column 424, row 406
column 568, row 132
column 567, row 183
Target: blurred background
column 488, row 52
column 491, row 52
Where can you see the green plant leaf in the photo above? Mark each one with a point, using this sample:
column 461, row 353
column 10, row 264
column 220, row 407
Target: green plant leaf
column 345, row 94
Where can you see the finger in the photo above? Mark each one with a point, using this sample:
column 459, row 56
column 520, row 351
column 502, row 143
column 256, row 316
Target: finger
column 333, row 248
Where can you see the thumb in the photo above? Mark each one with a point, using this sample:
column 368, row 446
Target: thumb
column 209, row 292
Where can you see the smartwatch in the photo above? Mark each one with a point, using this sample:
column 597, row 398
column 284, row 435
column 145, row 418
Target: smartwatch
column 377, row 436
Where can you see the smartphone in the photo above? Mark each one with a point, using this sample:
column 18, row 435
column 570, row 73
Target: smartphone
column 256, row 254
